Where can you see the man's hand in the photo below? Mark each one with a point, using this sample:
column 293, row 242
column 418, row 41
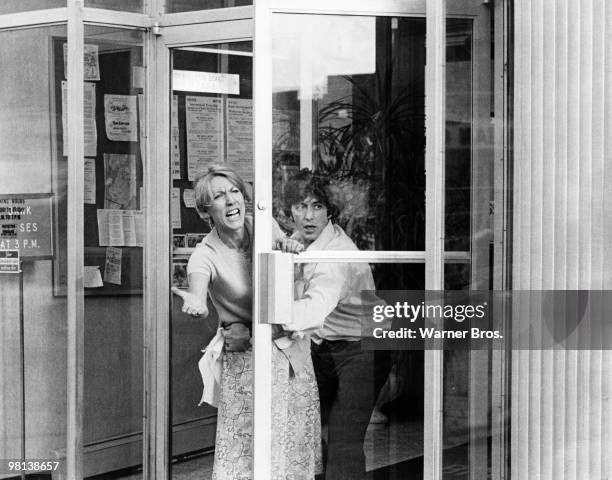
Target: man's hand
column 237, row 337
column 289, row 245
column 192, row 304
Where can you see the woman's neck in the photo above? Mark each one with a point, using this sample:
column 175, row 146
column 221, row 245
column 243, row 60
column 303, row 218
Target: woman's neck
column 235, row 239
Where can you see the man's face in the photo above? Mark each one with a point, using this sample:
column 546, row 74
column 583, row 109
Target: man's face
column 310, row 217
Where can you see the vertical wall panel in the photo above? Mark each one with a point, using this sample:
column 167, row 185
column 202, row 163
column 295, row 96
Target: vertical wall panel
column 561, row 403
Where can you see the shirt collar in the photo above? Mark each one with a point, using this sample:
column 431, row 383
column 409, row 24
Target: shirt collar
column 327, row 235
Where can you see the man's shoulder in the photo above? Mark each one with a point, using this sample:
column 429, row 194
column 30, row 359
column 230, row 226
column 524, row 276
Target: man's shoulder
column 340, row 240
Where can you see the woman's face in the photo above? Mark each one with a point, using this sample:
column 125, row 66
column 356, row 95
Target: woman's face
column 226, row 204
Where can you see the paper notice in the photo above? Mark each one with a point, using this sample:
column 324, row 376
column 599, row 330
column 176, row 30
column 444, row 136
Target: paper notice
column 240, row 136
column 175, row 151
column 91, row 65
column 120, row 118
column 120, row 190
column 175, row 207
column 90, row 181
column 189, row 198
column 90, row 132
column 115, row 228
column 112, row 266
column 120, row 228
column 138, row 76
column 204, row 118
column 92, row 277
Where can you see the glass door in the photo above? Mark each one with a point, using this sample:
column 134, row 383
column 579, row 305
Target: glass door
column 346, row 112
column 205, row 79
column 352, row 110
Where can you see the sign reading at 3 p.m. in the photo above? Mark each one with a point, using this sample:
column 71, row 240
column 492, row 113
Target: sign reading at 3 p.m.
column 26, row 225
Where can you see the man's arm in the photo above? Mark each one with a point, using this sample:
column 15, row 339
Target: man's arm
column 324, row 292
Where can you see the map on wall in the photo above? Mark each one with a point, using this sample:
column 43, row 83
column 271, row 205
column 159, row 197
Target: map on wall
column 120, row 190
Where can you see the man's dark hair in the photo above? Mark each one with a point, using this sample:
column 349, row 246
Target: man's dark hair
column 308, row 184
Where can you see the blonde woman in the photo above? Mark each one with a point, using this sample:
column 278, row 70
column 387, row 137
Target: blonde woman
column 220, row 268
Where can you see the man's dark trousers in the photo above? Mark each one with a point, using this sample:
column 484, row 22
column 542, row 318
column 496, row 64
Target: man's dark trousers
column 347, row 378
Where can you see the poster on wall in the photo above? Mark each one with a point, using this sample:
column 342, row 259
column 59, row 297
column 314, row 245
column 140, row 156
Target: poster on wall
column 204, row 118
column 112, row 266
column 175, row 150
column 89, row 193
column 120, row 228
column 120, row 118
column 240, row 136
column 120, row 188
column 91, row 64
column 90, row 132
column 175, row 207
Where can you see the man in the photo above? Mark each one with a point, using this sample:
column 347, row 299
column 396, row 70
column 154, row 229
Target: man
column 329, row 305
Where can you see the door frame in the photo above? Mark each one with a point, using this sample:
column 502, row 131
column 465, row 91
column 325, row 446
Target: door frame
column 244, row 23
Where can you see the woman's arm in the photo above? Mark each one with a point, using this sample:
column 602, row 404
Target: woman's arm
column 194, row 299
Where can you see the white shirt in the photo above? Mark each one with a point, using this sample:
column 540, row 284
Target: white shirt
column 329, row 300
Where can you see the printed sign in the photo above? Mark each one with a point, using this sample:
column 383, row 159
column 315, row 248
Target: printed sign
column 9, row 261
column 205, row 82
column 25, row 225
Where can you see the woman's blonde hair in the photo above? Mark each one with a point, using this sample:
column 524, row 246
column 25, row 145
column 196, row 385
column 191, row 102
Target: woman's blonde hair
column 203, row 189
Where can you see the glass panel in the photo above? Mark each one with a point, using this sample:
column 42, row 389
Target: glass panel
column 211, row 123
column 370, row 393
column 175, row 6
column 113, row 238
column 30, row 192
column 469, row 234
column 124, row 5
column 14, row 6
column 348, row 104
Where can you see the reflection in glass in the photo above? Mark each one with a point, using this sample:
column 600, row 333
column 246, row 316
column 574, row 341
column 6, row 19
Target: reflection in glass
column 15, row 6
column 28, row 165
column 468, row 219
column 123, row 5
column 175, row 6
column 371, row 400
column 348, row 103
column 114, row 172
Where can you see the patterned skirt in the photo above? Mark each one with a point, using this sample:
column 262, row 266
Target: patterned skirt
column 296, row 421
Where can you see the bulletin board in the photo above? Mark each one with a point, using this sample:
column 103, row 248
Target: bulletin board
column 113, row 165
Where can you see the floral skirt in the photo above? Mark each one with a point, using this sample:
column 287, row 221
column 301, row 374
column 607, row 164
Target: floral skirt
column 296, row 421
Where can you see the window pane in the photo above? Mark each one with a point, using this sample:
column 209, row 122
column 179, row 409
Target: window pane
column 348, row 104
column 371, row 398
column 469, row 234
column 175, row 6
column 28, row 164
column 124, row 5
column 113, row 239
column 14, row 6
column 211, row 123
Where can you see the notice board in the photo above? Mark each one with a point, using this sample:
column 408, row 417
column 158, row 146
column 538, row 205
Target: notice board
column 113, row 220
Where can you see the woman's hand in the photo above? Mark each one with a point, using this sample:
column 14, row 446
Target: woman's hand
column 289, row 245
column 237, row 337
column 192, row 304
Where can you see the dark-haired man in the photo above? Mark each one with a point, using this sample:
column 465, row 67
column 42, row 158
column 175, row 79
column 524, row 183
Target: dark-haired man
column 330, row 305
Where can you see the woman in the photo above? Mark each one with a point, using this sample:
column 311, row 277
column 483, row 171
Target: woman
column 220, row 267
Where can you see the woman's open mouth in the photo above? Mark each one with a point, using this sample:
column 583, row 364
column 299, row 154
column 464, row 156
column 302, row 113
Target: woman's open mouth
column 233, row 213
